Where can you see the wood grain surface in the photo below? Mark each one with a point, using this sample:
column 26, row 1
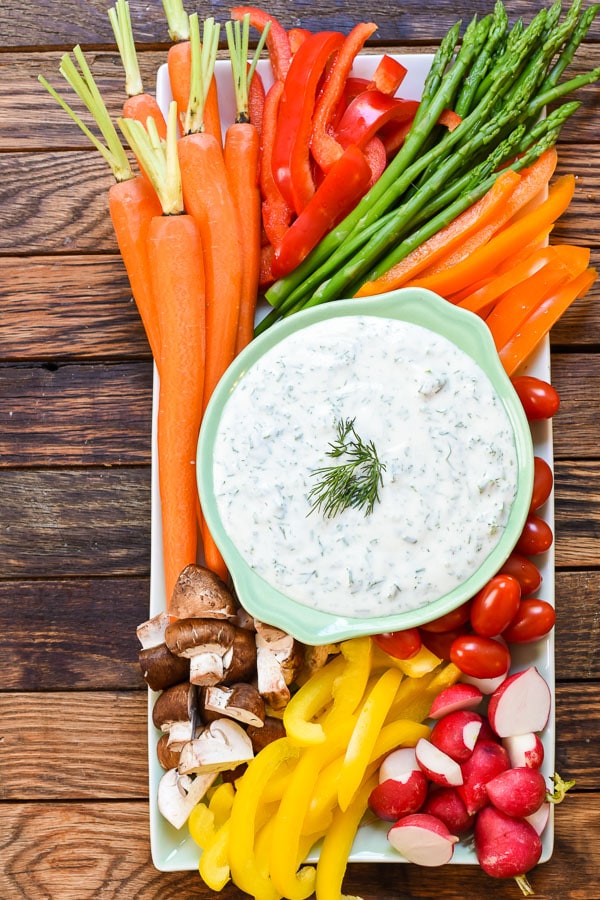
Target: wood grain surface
column 75, row 422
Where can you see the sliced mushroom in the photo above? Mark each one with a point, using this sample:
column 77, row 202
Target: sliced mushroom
column 201, row 594
column 271, row 730
column 222, row 745
column 316, row 657
column 180, row 733
column 167, row 757
column 279, row 658
column 152, row 632
column 240, row 701
column 204, row 642
column 178, row 794
column 161, row 668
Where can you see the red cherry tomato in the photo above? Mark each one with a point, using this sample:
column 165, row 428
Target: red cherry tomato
column 480, row 657
column 400, row 644
column 450, row 621
column 441, row 643
column 496, row 605
column 543, row 480
column 534, row 619
column 525, row 571
column 539, row 399
column 536, row 536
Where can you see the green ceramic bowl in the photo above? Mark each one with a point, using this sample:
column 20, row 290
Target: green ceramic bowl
column 469, row 334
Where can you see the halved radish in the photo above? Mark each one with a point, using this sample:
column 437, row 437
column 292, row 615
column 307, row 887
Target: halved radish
column 487, row 686
column 539, row 819
column 398, row 764
column 457, row 696
column 517, row 792
column 457, row 733
column 422, row 839
column 524, row 750
column 437, row 765
column 521, row 704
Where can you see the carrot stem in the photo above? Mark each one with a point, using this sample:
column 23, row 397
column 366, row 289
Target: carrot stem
column 120, row 20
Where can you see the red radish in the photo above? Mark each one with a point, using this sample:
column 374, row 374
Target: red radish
column 539, row 819
column 520, row 705
column 457, row 696
column 437, row 765
column 398, row 764
column 486, row 761
column 422, row 839
column 487, row 686
column 524, row 750
column 506, row 847
column 517, row 792
column 447, row 804
column 457, row 733
column 392, row 799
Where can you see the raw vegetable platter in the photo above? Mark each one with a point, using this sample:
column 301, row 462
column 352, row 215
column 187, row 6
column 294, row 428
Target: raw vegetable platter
column 174, row 850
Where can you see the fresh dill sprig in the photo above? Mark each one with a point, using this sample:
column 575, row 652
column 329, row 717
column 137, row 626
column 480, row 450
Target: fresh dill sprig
column 355, row 481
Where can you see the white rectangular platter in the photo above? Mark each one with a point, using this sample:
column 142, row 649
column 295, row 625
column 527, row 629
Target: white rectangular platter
column 174, row 850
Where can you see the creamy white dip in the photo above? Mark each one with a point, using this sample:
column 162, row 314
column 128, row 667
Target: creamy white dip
column 438, row 427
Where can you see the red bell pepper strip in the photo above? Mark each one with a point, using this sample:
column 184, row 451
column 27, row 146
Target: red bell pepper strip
column 256, row 101
column 388, row 76
column 291, row 153
column 296, row 37
column 324, row 147
column 368, row 112
column 344, row 184
column 450, row 119
column 376, row 155
column 278, row 43
column 276, row 211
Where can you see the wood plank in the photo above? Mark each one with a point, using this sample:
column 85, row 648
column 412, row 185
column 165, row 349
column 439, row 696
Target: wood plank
column 55, row 202
column 75, row 522
column 87, row 23
column 57, row 634
column 58, row 733
column 73, row 307
column 61, row 633
column 63, row 414
column 78, row 851
column 35, row 106
column 577, row 513
column 576, row 377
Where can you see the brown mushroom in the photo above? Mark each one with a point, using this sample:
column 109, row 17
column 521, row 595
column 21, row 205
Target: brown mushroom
column 222, row 745
column 161, row 668
column 240, row 701
column 167, row 757
column 271, row 730
column 204, row 642
column 279, row 658
column 175, row 704
column 201, row 594
column 240, row 660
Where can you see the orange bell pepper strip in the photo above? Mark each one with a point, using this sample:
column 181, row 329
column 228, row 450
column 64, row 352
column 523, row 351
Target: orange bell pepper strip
column 534, row 180
column 516, row 305
column 483, row 297
column 473, row 218
column 324, row 147
column 501, row 245
column 541, row 320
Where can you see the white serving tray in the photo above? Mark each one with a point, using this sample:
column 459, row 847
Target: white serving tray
column 174, row 850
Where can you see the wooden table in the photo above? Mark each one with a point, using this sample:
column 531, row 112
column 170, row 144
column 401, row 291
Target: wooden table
column 75, row 409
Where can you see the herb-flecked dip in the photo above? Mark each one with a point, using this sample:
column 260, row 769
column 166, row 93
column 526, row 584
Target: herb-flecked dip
column 442, row 436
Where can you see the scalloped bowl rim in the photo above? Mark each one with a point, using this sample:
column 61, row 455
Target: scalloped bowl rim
column 418, row 306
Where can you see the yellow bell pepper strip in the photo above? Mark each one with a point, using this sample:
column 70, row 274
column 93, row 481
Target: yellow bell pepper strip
column 444, row 241
column 290, row 816
column 539, row 323
column 201, row 825
column 221, row 802
column 349, row 687
column 506, row 241
column 423, row 662
column 214, row 861
column 402, row 733
column 244, row 813
column 368, row 725
column 278, row 783
column 338, row 844
column 308, row 701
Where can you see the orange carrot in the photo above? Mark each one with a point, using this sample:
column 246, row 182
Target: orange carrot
column 534, row 180
column 179, row 61
column 139, row 105
column 516, row 351
column 444, row 241
column 177, row 272
column 502, row 244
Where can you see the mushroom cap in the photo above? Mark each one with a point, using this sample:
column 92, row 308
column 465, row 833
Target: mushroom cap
column 188, row 637
column 161, row 668
column 200, row 593
column 175, row 704
column 167, row 757
column 240, row 661
column 271, row 730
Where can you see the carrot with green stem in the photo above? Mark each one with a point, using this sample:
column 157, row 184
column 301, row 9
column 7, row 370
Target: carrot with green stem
column 177, row 271
column 179, row 64
column 139, row 104
column 207, row 197
column 242, row 163
column 132, row 201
